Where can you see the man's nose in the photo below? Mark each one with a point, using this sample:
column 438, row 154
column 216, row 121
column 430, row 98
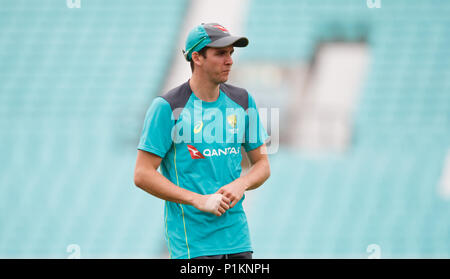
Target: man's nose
column 229, row 60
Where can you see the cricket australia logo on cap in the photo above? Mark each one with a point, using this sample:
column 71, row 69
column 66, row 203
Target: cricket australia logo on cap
column 221, row 28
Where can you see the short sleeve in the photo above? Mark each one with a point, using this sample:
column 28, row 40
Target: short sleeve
column 255, row 133
column 156, row 132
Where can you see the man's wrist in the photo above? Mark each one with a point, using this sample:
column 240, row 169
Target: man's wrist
column 191, row 198
column 244, row 183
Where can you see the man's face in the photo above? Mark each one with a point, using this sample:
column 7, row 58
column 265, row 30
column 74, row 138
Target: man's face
column 217, row 64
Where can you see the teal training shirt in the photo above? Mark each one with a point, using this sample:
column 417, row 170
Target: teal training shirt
column 200, row 146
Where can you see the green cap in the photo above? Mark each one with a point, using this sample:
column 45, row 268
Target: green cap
column 211, row 35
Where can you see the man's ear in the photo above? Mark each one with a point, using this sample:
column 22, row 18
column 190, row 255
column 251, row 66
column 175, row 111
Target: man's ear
column 196, row 58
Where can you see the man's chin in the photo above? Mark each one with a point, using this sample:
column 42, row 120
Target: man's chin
column 224, row 79
column 221, row 80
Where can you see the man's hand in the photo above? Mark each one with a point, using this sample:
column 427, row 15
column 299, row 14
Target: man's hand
column 216, row 204
column 233, row 191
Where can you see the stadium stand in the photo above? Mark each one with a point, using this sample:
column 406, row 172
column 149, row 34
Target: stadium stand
column 75, row 85
column 384, row 189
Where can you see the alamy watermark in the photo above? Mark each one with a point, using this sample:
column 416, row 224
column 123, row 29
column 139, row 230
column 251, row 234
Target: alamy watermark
column 234, row 125
column 374, row 251
column 75, row 251
column 73, row 4
column 373, row 4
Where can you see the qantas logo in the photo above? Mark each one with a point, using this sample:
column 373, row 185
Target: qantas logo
column 195, row 154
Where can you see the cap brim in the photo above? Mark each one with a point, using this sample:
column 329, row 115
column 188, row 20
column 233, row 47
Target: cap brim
column 228, row 41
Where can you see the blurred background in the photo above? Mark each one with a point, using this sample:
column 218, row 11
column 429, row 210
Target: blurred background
column 360, row 150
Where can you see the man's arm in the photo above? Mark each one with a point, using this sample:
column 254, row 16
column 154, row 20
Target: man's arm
column 150, row 180
column 256, row 176
column 260, row 170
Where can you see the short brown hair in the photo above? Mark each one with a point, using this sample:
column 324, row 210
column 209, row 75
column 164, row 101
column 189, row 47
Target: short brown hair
column 202, row 52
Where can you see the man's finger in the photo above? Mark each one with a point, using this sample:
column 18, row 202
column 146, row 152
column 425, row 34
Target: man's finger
column 225, row 199
column 225, row 205
column 221, row 210
column 232, row 199
column 233, row 203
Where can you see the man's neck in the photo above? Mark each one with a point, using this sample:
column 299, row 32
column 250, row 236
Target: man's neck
column 204, row 89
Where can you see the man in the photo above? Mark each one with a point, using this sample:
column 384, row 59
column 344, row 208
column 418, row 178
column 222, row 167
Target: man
column 195, row 132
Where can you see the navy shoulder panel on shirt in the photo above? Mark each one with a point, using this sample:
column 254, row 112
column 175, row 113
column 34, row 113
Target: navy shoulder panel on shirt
column 237, row 94
column 177, row 98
